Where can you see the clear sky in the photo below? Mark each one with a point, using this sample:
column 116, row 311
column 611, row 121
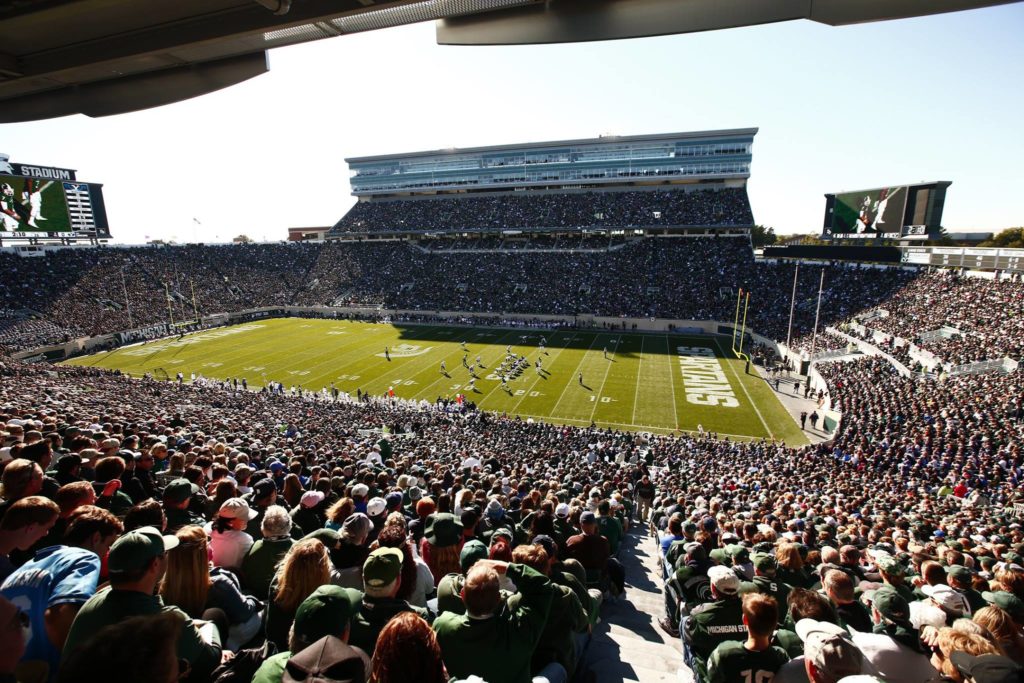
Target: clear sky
column 932, row 98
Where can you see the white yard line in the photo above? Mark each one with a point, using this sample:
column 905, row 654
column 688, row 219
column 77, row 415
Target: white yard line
column 743, row 387
column 597, row 395
column 639, row 371
column 554, row 408
column 673, row 366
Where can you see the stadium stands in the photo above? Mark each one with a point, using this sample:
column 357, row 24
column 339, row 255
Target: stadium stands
column 920, row 468
column 621, row 210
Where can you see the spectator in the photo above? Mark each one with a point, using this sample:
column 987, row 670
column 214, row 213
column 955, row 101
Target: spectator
column 136, row 564
column 733, row 660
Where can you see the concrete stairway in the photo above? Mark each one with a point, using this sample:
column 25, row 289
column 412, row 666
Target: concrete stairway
column 628, row 645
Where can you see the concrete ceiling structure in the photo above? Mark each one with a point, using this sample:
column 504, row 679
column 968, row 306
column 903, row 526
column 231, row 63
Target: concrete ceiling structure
column 104, row 57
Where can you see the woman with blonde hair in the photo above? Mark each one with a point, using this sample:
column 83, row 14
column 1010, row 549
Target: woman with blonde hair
column 305, row 568
column 950, row 641
column 192, row 586
column 1004, row 630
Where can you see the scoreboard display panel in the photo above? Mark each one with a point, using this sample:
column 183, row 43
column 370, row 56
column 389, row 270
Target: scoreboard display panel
column 903, row 212
column 869, row 213
column 46, row 203
column 48, row 207
column 33, row 205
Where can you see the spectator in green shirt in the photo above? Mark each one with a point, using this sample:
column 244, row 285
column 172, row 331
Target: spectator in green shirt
column 755, row 659
column 493, row 643
column 609, row 526
column 136, row 564
column 326, row 612
column 260, row 563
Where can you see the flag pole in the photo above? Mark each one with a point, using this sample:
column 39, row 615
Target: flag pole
column 127, row 305
column 195, row 310
column 170, row 312
column 817, row 313
column 792, row 306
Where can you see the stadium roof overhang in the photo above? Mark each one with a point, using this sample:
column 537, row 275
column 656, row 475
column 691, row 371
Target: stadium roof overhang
column 103, row 57
column 569, row 21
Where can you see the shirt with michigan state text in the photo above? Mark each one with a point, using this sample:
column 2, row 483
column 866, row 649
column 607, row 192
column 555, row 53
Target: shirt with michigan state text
column 732, row 662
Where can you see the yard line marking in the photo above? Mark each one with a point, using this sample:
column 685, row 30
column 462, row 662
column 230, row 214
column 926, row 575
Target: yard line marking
column 597, row 397
column 672, row 378
column 639, row 375
column 554, row 408
column 744, row 388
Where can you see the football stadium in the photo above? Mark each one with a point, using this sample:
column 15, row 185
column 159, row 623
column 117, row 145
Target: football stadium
column 549, row 410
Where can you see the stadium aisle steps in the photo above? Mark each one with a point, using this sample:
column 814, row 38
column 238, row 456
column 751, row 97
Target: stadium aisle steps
column 627, row 644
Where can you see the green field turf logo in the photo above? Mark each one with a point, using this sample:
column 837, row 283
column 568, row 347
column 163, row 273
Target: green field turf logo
column 406, row 351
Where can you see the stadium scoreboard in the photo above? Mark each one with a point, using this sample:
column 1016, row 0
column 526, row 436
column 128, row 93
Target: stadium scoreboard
column 48, row 203
column 903, row 212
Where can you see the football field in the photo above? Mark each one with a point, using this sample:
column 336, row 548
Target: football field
column 641, row 381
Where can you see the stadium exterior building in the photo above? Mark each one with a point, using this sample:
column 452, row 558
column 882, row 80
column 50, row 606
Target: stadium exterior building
column 664, row 162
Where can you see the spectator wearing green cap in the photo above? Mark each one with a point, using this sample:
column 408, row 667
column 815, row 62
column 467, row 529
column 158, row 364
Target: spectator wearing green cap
column 493, row 643
column 136, row 564
column 961, row 579
column 609, row 526
column 177, row 496
column 382, row 578
column 893, row 646
column 765, row 582
column 449, row 590
column 328, row 611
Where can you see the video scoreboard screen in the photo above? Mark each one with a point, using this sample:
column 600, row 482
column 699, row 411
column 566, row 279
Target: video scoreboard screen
column 44, row 202
column 894, row 212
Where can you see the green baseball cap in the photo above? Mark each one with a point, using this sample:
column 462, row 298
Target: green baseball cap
column 472, row 551
column 720, row 556
column 764, row 562
column 326, row 612
column 890, row 604
column 959, row 572
column 382, row 567
column 178, row 491
column 1009, row 602
column 134, row 549
column 737, row 552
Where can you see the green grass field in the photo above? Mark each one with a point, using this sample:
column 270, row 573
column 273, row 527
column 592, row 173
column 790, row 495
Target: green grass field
column 648, row 382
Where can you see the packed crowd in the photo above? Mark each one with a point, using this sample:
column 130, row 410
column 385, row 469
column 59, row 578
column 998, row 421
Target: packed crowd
column 989, row 316
column 73, row 293
column 389, row 539
column 630, row 209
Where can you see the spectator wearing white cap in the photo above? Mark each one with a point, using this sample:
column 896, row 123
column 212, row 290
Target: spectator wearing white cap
column 713, row 623
column 229, row 542
column 307, row 513
column 941, row 598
